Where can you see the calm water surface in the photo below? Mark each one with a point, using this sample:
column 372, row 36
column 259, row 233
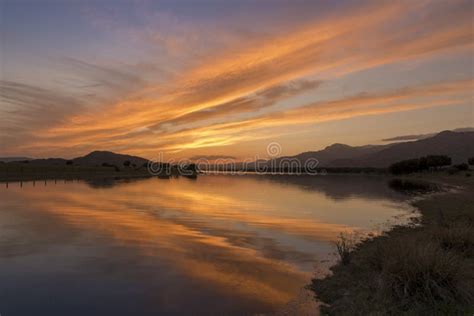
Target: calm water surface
column 215, row 245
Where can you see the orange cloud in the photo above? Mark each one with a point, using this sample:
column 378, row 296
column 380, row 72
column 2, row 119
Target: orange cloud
column 222, row 99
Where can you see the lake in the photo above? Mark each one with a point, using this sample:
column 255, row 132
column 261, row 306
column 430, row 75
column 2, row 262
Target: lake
column 218, row 244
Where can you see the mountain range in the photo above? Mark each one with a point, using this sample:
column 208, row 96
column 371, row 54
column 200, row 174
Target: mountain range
column 458, row 145
column 95, row 158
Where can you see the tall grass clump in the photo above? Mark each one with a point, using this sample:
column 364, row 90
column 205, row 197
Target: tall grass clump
column 424, row 277
column 344, row 247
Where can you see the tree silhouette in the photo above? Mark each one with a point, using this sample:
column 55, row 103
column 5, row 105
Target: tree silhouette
column 420, row 164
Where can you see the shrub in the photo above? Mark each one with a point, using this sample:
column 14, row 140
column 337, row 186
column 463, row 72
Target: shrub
column 470, row 161
column 436, row 161
column 420, row 164
column 461, row 167
column 126, row 163
column 405, row 166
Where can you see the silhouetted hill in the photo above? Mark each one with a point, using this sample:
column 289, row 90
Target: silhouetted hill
column 97, row 158
column 335, row 152
column 458, row 145
column 93, row 159
column 11, row 159
column 48, row 162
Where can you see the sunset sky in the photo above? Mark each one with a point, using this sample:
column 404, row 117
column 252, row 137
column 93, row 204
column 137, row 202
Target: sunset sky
column 225, row 77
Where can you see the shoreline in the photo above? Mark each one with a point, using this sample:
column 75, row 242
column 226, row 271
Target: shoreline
column 424, row 267
column 20, row 173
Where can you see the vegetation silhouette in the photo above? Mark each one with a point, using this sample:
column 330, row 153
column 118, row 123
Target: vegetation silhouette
column 431, row 162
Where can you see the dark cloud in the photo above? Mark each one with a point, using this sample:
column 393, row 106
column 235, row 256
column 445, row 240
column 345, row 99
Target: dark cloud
column 423, row 136
column 407, row 137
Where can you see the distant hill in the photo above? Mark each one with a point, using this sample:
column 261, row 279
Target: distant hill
column 97, row 158
column 336, row 152
column 48, row 162
column 458, row 145
column 10, row 159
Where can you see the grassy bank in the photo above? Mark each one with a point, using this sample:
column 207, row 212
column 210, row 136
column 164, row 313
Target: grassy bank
column 24, row 172
column 423, row 269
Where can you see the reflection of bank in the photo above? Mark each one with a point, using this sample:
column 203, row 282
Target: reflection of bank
column 413, row 187
column 339, row 186
column 166, row 170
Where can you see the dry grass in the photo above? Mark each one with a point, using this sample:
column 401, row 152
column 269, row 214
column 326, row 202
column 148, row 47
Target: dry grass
column 418, row 270
column 344, row 247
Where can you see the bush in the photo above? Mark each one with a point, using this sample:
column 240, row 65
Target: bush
column 470, row 161
column 461, row 167
column 69, row 163
column 405, row 166
column 420, row 164
column 126, row 163
column 436, row 161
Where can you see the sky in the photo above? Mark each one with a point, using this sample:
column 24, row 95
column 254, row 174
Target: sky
column 189, row 78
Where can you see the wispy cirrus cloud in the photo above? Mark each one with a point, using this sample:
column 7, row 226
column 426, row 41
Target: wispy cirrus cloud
column 224, row 96
column 254, row 102
column 267, row 125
